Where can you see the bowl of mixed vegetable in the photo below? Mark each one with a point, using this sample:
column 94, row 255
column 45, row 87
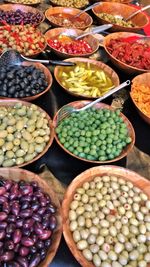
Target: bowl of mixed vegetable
column 63, row 17
column 88, row 78
column 62, row 43
column 130, row 52
column 26, row 39
column 106, row 213
column 70, row 3
column 26, row 133
column 98, row 135
column 140, row 94
column 107, row 12
column 20, row 15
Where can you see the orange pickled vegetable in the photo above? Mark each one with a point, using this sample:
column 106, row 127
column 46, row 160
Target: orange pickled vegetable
column 141, row 96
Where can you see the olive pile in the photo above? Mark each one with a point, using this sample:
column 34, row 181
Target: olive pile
column 94, row 134
column 20, row 17
column 109, row 219
column 24, row 133
column 27, row 222
column 21, row 81
column 71, row 3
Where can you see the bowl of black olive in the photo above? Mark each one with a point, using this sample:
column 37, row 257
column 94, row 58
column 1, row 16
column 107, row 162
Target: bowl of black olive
column 27, row 81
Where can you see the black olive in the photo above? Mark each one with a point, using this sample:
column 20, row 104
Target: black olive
column 3, row 93
column 10, row 75
column 12, row 90
column 2, row 75
column 22, row 84
column 5, row 87
column 33, row 92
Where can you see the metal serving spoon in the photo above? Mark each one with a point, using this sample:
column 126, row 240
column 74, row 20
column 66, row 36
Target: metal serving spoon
column 93, row 31
column 12, row 57
column 133, row 14
column 81, row 12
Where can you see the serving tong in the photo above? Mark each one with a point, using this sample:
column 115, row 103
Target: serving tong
column 67, row 110
column 13, row 57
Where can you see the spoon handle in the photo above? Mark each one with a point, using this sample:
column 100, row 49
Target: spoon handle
column 95, row 30
column 137, row 12
column 114, row 90
column 50, row 62
column 86, row 9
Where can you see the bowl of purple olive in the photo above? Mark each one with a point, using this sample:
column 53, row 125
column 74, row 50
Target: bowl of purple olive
column 16, row 14
column 30, row 219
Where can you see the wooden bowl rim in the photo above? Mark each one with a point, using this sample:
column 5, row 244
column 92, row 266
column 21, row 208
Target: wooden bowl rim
column 87, row 175
column 121, row 5
column 9, row 102
column 67, row 54
column 58, row 231
column 93, row 62
column 116, row 34
column 46, row 71
column 13, row 7
column 103, row 105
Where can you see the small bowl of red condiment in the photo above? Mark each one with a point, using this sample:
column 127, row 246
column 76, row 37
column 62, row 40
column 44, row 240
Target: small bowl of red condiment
column 62, row 43
column 63, row 17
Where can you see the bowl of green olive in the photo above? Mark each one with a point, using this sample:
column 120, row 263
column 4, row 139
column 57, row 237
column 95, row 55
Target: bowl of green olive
column 106, row 218
column 99, row 134
column 26, row 133
column 107, row 12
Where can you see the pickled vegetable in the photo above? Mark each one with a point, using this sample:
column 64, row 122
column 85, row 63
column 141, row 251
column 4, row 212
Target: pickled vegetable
column 85, row 79
column 116, row 20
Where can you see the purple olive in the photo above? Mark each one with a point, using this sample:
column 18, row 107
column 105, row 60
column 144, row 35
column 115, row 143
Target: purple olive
column 42, row 210
column 6, row 195
column 3, row 216
column 2, row 234
column 8, row 184
column 2, row 199
column 6, row 207
column 10, row 228
column 12, row 196
column 34, row 184
column 9, row 245
column 27, row 242
column 28, row 223
column 36, row 217
column 43, row 253
column 17, row 236
column 26, row 190
column 38, row 194
column 17, row 246
column 43, row 201
column 26, row 198
column 26, row 232
column 46, row 223
column 33, row 249
column 7, row 256
column 25, row 213
column 34, row 237
column 38, row 228
column 3, row 225
column 35, row 260
column 51, row 209
column 40, row 244
column 48, row 242
column 14, row 189
column 22, row 261
column 1, row 244
column 2, row 190
column 52, row 222
column 45, row 235
column 15, row 209
column 11, row 218
column 35, row 206
column 13, row 264
column 25, row 205
column 19, row 223
column 23, row 251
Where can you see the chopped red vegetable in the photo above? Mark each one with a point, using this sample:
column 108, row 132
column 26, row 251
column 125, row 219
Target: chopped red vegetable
column 71, row 47
column 136, row 54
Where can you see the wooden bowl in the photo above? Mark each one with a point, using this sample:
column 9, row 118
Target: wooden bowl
column 16, row 175
column 141, row 20
column 35, row 53
column 119, row 64
column 100, row 66
column 114, row 1
column 87, row 176
column 26, row 9
column 142, row 79
column 64, row 11
column 24, row 2
column 48, row 76
column 63, row 5
column 93, row 42
column 81, row 103
column 12, row 102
